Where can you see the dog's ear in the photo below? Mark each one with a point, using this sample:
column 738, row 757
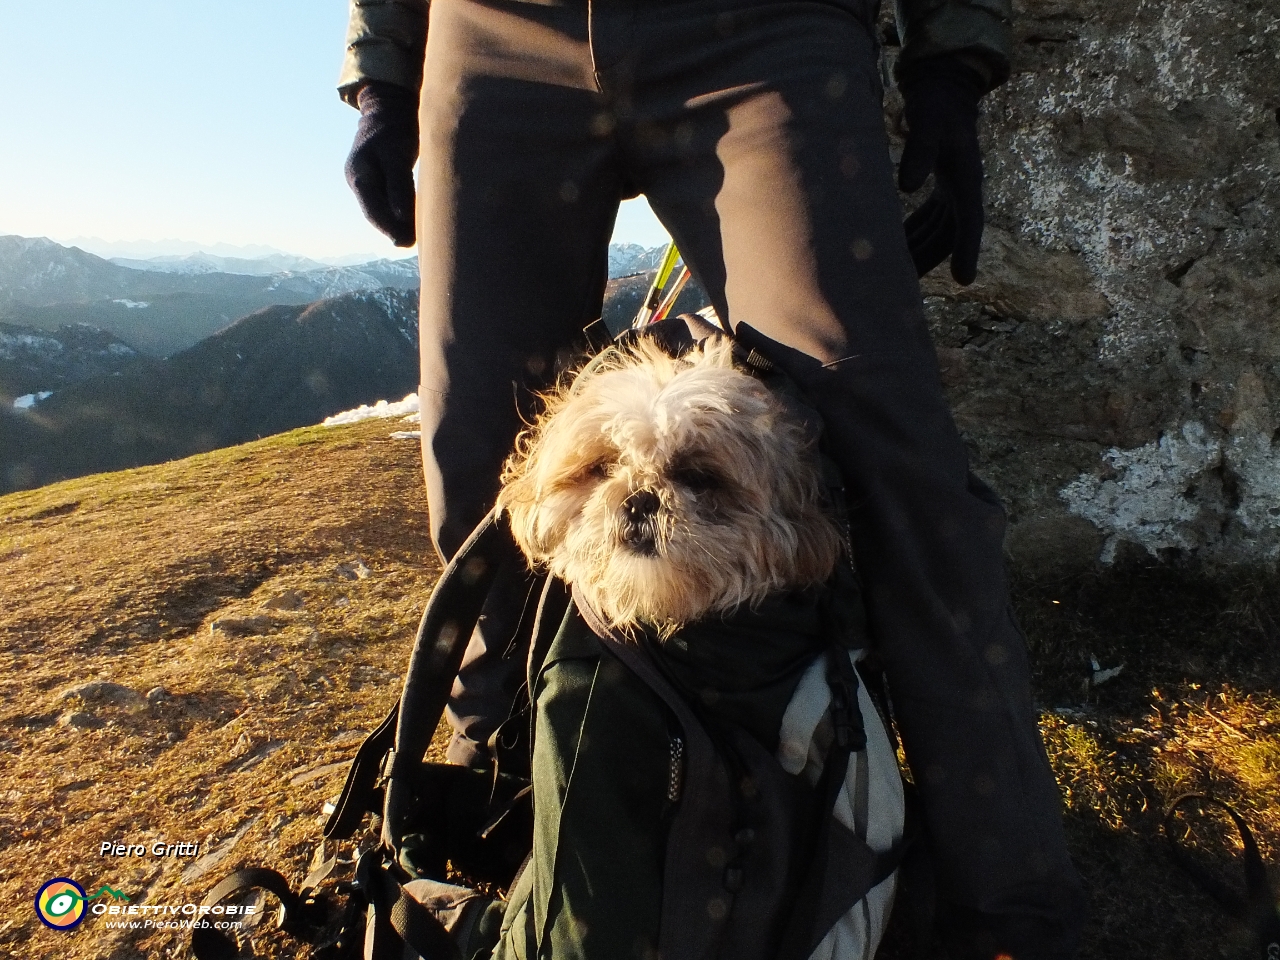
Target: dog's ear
column 522, row 514
column 518, row 497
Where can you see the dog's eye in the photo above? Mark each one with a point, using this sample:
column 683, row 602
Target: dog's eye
column 697, row 479
column 591, row 473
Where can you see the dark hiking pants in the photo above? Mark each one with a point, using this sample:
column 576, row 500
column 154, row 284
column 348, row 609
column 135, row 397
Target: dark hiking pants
column 755, row 131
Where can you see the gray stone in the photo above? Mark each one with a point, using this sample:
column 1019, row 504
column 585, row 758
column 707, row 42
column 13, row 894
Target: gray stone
column 355, row 570
column 80, row 720
column 158, row 695
column 242, row 626
column 246, row 755
column 289, row 600
column 218, row 854
column 305, row 776
column 1116, row 367
column 101, row 691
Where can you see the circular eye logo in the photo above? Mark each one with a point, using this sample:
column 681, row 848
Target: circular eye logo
column 60, row 904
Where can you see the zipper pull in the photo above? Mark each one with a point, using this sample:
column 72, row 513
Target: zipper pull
column 675, row 774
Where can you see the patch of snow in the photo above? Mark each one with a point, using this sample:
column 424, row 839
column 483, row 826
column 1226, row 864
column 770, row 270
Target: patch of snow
column 1100, row 675
column 407, row 435
column 11, row 344
column 380, row 410
column 27, row 401
column 133, row 304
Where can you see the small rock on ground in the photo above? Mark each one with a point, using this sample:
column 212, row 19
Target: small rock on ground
column 102, row 691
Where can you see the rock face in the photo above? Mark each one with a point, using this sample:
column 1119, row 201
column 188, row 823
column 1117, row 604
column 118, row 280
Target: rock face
column 1116, row 367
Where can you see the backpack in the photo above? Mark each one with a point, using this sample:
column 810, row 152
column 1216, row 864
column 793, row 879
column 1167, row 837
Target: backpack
column 647, row 799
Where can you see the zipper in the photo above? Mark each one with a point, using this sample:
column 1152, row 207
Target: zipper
column 675, row 771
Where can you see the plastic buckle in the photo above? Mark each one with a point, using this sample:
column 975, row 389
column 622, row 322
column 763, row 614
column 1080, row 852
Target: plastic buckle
column 387, row 769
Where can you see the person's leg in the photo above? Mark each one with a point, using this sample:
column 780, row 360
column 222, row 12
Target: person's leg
column 517, row 197
column 758, row 139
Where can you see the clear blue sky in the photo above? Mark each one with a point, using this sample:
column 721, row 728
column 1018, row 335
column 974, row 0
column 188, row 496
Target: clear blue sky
column 186, row 119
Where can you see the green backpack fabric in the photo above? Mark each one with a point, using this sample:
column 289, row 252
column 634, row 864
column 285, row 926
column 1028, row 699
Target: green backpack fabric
column 665, row 826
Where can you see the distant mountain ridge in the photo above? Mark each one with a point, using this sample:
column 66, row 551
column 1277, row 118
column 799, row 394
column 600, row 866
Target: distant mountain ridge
column 102, row 390
column 163, row 305
column 246, row 266
column 161, row 312
column 625, row 259
column 282, row 367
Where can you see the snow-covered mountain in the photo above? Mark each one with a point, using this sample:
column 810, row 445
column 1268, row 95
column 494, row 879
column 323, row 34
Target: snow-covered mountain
column 161, row 310
column 209, row 263
column 626, row 259
column 160, row 306
column 335, row 281
column 331, row 280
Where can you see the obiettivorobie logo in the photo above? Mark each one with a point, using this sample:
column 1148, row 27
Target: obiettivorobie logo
column 61, row 903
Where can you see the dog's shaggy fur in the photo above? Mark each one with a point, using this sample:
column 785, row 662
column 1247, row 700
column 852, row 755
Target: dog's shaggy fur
column 669, row 489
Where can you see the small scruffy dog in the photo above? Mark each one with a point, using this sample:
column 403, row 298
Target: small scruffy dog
column 666, row 489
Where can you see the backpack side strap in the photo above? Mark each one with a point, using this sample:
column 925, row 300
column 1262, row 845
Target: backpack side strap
column 447, row 624
column 1257, row 907
column 300, row 915
column 399, row 921
column 357, row 792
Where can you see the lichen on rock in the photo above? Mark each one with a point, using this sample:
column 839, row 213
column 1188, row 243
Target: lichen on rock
column 1186, row 491
column 1117, row 357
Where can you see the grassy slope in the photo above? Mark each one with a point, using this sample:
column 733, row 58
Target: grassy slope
column 120, row 577
column 309, row 552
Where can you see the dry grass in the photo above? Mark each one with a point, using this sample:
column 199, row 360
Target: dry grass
column 273, row 589
column 1196, row 710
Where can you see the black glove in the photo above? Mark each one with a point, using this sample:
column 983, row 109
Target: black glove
column 941, row 96
column 380, row 165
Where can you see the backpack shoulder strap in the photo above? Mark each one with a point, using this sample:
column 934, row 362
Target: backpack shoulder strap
column 443, row 635
column 356, row 798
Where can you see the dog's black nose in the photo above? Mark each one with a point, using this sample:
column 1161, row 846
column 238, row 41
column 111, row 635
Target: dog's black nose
column 640, row 506
column 638, row 512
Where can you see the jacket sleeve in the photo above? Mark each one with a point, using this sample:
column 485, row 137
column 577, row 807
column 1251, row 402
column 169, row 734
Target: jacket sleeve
column 980, row 31
column 386, row 41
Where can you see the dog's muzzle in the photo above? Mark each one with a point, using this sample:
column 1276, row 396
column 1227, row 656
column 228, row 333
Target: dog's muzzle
column 639, row 522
